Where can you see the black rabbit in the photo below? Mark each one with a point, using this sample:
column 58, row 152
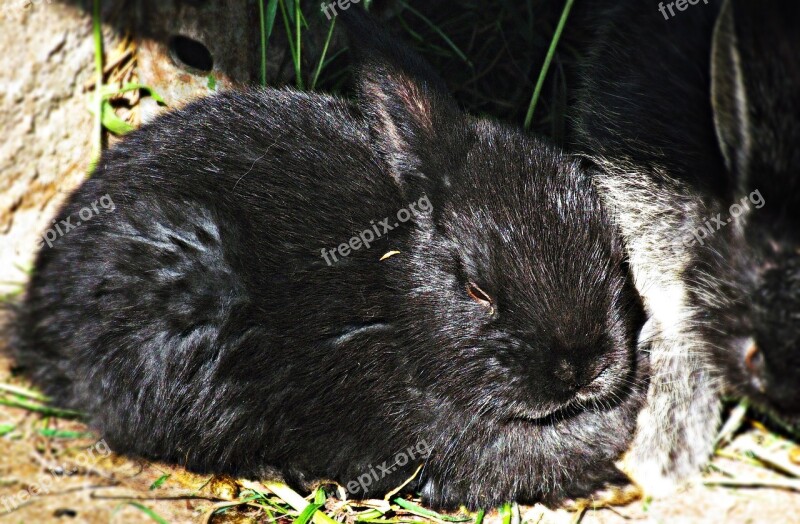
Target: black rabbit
column 290, row 285
column 756, row 265
column 693, row 144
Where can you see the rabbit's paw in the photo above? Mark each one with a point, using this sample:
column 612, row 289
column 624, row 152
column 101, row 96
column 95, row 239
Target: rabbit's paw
column 611, row 495
column 450, row 496
column 604, row 488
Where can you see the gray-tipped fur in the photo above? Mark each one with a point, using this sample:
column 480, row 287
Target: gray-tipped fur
column 691, row 119
column 644, row 95
column 676, row 429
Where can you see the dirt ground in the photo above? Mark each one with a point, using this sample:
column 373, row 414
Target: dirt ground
column 73, row 477
column 51, row 470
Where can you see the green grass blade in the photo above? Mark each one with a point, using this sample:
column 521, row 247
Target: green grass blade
column 547, row 61
column 292, row 498
column 289, row 4
column 21, row 403
column 109, row 91
column 97, row 32
column 159, row 481
column 263, row 26
column 112, row 122
column 505, row 513
column 23, row 392
column 333, row 57
column 298, row 19
column 307, row 513
column 439, row 32
column 62, row 434
column 370, row 515
column 422, row 512
column 320, row 497
column 324, row 53
column 149, row 512
column 287, row 23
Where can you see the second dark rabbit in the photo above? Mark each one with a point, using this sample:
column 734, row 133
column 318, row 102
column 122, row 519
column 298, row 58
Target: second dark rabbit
column 695, row 121
column 756, row 266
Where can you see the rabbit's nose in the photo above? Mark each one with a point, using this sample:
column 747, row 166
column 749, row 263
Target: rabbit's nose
column 754, row 362
column 565, row 372
column 574, row 376
column 752, row 357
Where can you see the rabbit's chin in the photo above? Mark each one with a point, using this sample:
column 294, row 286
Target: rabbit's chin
column 786, row 409
column 546, row 413
column 541, row 414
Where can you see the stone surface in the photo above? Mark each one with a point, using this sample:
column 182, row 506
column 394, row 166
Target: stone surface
column 169, row 35
column 47, row 56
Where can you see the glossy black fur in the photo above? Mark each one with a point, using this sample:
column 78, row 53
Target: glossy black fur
column 199, row 324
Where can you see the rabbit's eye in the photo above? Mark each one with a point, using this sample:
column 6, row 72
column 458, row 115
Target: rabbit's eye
column 480, row 296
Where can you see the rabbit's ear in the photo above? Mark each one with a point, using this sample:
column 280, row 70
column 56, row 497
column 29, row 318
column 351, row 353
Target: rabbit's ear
column 414, row 120
column 756, row 83
column 729, row 94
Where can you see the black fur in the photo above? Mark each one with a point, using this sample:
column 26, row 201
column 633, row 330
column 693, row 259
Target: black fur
column 645, row 85
column 749, row 283
column 644, row 114
column 197, row 323
column 659, row 108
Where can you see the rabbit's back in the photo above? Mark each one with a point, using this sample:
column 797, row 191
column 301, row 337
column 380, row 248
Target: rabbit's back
column 182, row 300
column 644, row 91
